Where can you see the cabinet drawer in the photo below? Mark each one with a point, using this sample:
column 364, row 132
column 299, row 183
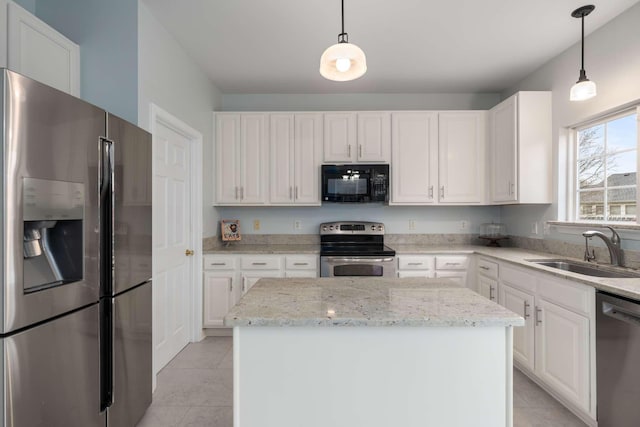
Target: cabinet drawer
column 301, row 262
column 571, row 295
column 217, row 262
column 415, row 262
column 261, row 263
column 415, row 273
column 518, row 278
column 488, row 268
column 452, row 262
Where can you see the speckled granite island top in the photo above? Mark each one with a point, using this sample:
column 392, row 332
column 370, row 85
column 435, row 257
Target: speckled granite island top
column 366, row 302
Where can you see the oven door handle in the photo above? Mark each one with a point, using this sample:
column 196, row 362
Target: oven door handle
column 354, row 260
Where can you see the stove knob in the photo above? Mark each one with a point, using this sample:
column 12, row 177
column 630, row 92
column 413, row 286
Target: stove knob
column 331, row 227
column 373, row 227
column 380, row 228
column 324, row 228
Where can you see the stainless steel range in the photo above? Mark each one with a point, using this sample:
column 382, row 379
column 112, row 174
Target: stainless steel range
column 355, row 249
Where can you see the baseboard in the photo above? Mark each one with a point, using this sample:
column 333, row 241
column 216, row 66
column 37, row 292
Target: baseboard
column 218, row 332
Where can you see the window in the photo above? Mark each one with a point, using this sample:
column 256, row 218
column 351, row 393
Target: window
column 606, row 169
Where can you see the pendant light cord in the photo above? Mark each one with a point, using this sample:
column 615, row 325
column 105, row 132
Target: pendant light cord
column 343, row 37
column 582, row 64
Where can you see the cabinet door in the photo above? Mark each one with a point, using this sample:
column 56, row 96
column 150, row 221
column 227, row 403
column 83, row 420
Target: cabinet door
column 562, row 351
column 308, row 149
column 521, row 303
column 218, row 297
column 374, row 137
column 414, row 160
column 488, row 288
column 461, row 150
column 40, row 52
column 504, row 140
column 253, row 158
column 339, row 137
column 228, row 158
column 249, row 278
column 281, row 137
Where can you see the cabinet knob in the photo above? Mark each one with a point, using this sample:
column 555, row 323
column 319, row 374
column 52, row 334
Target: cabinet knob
column 538, row 312
column 189, row 252
column 526, row 305
column 491, row 293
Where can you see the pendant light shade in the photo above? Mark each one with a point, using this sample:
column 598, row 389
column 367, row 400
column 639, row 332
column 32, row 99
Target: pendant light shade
column 343, row 61
column 584, row 88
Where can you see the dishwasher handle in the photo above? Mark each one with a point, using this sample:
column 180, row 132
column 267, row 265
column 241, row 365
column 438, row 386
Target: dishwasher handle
column 620, row 313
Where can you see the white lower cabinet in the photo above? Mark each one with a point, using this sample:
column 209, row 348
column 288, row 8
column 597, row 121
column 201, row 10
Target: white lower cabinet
column 562, row 351
column 218, row 296
column 453, row 267
column 521, row 303
column 228, row 277
column 557, row 344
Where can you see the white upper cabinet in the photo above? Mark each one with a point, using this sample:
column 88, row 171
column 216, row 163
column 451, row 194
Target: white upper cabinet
column 374, row 137
column 521, row 166
column 36, row 50
column 340, row 137
column 296, row 149
column 357, row 137
column 242, row 158
column 414, row 158
column 461, row 149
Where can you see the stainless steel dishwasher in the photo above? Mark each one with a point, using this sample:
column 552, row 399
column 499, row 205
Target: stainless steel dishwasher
column 618, row 360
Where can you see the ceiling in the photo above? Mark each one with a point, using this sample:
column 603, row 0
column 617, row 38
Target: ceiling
column 412, row 46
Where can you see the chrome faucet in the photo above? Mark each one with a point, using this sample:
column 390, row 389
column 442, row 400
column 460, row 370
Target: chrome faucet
column 613, row 244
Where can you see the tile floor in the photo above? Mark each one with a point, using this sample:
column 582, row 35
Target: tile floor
column 195, row 389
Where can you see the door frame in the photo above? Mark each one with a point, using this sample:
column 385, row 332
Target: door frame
column 161, row 116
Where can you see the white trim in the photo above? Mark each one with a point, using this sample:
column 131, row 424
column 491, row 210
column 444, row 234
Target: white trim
column 158, row 115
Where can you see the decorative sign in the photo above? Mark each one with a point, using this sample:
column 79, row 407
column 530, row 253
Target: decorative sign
column 230, row 230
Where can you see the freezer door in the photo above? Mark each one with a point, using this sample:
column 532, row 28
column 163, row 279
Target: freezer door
column 132, row 227
column 132, row 357
column 51, row 373
column 48, row 229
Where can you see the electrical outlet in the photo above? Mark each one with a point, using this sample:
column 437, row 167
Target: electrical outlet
column 412, row 224
column 546, row 228
column 256, row 224
column 297, row 224
column 464, row 225
column 534, row 228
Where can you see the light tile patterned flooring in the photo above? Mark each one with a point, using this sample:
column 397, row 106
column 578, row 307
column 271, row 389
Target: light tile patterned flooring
column 195, row 389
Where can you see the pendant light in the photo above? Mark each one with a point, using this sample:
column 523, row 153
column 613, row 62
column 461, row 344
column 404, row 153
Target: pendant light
column 343, row 61
column 584, row 88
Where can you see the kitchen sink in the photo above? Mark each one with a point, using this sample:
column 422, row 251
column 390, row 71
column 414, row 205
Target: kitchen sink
column 586, row 269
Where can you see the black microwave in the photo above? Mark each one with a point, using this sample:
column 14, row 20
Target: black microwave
column 355, row 183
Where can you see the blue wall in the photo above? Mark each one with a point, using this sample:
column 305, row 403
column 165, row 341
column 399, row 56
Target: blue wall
column 30, row 5
column 107, row 32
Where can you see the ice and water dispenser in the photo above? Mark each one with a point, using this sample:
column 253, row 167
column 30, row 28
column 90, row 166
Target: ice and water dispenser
column 53, row 215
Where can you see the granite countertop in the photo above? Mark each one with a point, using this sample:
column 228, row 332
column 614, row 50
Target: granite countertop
column 264, row 249
column 629, row 288
column 361, row 301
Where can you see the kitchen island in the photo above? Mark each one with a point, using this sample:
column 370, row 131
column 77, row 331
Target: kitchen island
column 372, row 352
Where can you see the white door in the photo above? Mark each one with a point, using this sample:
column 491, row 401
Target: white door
column 254, row 158
column 282, row 158
column 461, row 156
column 504, row 142
column 523, row 338
column 414, row 158
column 339, row 137
column 228, row 158
column 308, row 152
column 218, row 296
column 374, row 137
column 172, row 215
column 562, row 352
column 488, row 288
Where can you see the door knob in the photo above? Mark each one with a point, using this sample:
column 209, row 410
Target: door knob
column 189, row 252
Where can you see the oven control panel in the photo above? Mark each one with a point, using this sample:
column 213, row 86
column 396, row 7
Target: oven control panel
column 360, row 227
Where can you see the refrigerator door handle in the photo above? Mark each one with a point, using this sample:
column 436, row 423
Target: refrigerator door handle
column 106, row 210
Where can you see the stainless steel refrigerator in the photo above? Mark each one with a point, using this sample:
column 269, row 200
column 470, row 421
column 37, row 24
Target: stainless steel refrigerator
column 75, row 261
